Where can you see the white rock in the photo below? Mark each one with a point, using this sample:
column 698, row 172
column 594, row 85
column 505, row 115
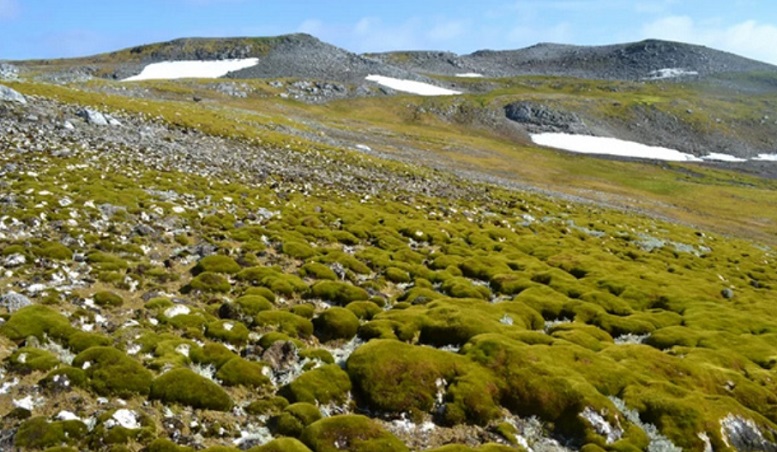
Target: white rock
column 126, row 418
column 177, row 310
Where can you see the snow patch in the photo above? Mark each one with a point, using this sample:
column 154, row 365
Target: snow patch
column 176, row 311
column 586, row 144
column 126, row 418
column 717, row 157
column 168, row 70
column 766, row 157
column 27, row 403
column 470, row 75
column 67, row 416
column 670, row 72
column 410, row 86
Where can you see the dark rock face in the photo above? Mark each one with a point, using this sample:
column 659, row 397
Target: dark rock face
column 632, row 61
column 544, row 119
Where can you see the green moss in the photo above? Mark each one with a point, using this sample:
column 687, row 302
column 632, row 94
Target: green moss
column 317, row 354
column 318, row 271
column 463, row 288
column 76, row 377
column 28, row 359
column 294, row 419
column 38, row 321
column 106, row 298
column 395, row 377
column 212, row 354
column 356, row 433
column 306, row 310
column 338, row 292
column 282, row 445
column 54, row 250
column 321, row 385
column 285, row 322
column 262, row 292
column 82, row 340
column 210, row 282
column 298, row 250
column 106, row 261
column 185, row 387
column 251, row 305
column 397, row 275
column 165, row 445
column 39, row 433
column 240, row 372
column 364, row 310
column 336, row 323
column 112, row 372
column 420, row 295
column 216, row 263
column 267, row 406
column 229, row 331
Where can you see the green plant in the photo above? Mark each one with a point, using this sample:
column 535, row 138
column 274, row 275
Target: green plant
column 187, row 388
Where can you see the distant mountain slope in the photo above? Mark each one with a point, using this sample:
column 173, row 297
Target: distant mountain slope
column 632, row 61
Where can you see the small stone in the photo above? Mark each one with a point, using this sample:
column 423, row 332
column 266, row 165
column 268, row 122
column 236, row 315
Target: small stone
column 727, row 293
column 14, row 260
column 93, row 117
column 14, row 301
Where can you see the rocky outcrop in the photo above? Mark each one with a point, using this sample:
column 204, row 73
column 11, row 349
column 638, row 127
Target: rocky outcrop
column 541, row 118
column 9, row 95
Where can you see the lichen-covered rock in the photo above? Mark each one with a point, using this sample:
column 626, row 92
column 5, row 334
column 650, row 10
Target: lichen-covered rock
column 13, row 301
column 187, row 388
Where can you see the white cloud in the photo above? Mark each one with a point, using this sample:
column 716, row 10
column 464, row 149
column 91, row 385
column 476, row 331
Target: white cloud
column 9, row 9
column 750, row 38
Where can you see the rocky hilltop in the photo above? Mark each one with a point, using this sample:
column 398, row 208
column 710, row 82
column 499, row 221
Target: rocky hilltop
column 645, row 60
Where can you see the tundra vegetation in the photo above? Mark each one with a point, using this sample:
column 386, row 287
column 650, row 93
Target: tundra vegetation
column 185, row 307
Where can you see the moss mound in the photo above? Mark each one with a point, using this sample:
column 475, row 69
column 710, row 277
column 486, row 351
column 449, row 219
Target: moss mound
column 321, row 385
column 39, row 321
column 216, row 263
column 39, row 433
column 185, row 387
column 352, row 432
column 282, row 445
column 336, row 323
column 338, row 292
column 294, row 419
column 210, row 282
column 107, row 298
column 239, row 372
column 112, row 372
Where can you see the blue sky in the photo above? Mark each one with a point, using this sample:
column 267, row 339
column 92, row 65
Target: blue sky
column 63, row 28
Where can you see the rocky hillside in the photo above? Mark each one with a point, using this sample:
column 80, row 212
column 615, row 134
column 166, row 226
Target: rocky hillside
column 249, row 264
column 169, row 289
column 645, row 60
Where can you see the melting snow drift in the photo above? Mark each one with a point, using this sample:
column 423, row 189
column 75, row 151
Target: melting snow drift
column 191, row 69
column 665, row 73
column 586, row 144
column 409, row 86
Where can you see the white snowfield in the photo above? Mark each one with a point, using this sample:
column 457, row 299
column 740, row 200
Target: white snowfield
column 586, row 144
column 169, row 70
column 410, row 86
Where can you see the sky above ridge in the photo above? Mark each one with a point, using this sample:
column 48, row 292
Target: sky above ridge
column 58, row 28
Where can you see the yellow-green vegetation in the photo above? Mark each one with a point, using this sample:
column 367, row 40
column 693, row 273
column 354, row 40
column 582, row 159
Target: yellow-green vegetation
column 476, row 305
column 357, row 433
column 185, row 387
